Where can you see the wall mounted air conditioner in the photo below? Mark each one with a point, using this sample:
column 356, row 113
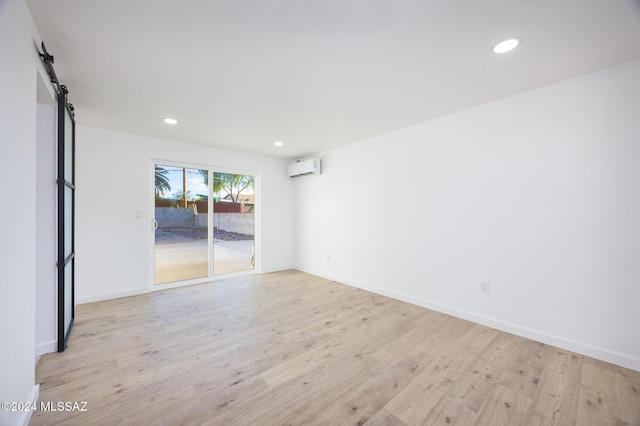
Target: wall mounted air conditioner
column 302, row 168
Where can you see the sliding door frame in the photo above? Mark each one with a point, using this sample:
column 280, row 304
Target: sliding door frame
column 256, row 215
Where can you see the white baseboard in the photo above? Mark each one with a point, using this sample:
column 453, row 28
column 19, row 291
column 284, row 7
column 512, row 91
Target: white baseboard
column 46, row 348
column 539, row 336
column 25, row 417
column 112, row 295
column 276, row 269
column 144, row 290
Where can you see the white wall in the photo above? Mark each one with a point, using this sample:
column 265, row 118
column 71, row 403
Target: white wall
column 537, row 194
column 18, row 41
column 114, row 180
column 46, row 226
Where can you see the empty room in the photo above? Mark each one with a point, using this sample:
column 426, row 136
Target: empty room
column 320, row 212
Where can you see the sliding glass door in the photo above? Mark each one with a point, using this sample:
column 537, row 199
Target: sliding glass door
column 182, row 229
column 233, row 221
column 203, row 223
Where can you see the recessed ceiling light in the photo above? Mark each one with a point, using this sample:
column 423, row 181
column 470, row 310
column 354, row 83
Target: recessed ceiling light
column 278, row 143
column 168, row 120
column 506, row 46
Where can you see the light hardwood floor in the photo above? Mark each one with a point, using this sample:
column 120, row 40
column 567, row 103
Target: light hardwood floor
column 290, row 348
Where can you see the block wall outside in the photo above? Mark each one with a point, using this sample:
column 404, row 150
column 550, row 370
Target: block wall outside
column 242, row 223
column 174, row 216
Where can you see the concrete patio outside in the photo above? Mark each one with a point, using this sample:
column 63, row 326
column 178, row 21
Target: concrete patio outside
column 188, row 260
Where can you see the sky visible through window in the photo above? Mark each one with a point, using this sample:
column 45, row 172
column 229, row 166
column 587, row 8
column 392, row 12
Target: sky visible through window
column 195, row 182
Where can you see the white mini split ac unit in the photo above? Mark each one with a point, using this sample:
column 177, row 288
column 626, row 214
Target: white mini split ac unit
column 303, row 168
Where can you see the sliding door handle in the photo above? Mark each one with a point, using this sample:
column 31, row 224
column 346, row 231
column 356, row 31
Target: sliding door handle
column 155, row 224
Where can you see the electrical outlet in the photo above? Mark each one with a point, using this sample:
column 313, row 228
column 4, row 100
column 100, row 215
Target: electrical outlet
column 485, row 287
column 328, row 256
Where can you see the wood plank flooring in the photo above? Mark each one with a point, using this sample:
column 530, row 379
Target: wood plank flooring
column 290, row 348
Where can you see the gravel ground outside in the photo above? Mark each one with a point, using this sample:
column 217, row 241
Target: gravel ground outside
column 185, row 235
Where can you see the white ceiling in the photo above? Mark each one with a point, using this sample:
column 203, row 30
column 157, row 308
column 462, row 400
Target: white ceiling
column 315, row 74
